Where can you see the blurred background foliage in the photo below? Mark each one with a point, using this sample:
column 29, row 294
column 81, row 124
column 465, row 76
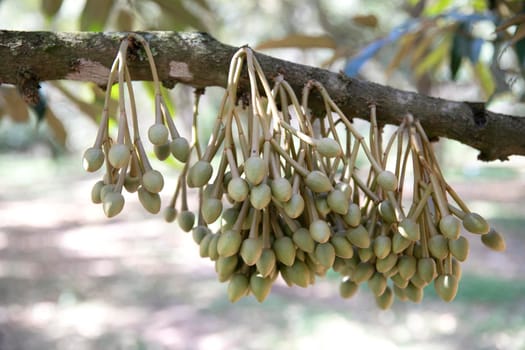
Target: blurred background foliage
column 71, row 279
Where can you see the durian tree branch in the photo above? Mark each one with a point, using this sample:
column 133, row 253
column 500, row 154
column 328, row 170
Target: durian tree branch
column 196, row 59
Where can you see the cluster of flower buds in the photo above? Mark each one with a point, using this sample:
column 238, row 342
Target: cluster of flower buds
column 280, row 193
column 126, row 162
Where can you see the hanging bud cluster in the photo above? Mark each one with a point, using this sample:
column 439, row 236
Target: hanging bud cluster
column 280, row 193
column 126, row 162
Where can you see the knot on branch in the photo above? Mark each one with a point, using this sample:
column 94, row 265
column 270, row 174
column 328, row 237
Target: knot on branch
column 479, row 113
column 28, row 85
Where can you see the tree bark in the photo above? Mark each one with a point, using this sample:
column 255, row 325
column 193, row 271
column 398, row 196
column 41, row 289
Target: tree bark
column 199, row 60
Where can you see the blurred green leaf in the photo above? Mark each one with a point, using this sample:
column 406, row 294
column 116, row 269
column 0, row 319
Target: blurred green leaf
column 479, row 5
column 100, row 96
column 57, row 128
column 520, row 52
column 461, row 45
column 95, row 15
column 300, row 41
column 423, row 43
column 150, row 90
column 50, row 7
column 455, row 58
column 437, row 7
column 434, row 58
column 485, row 78
column 114, row 92
column 518, row 38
